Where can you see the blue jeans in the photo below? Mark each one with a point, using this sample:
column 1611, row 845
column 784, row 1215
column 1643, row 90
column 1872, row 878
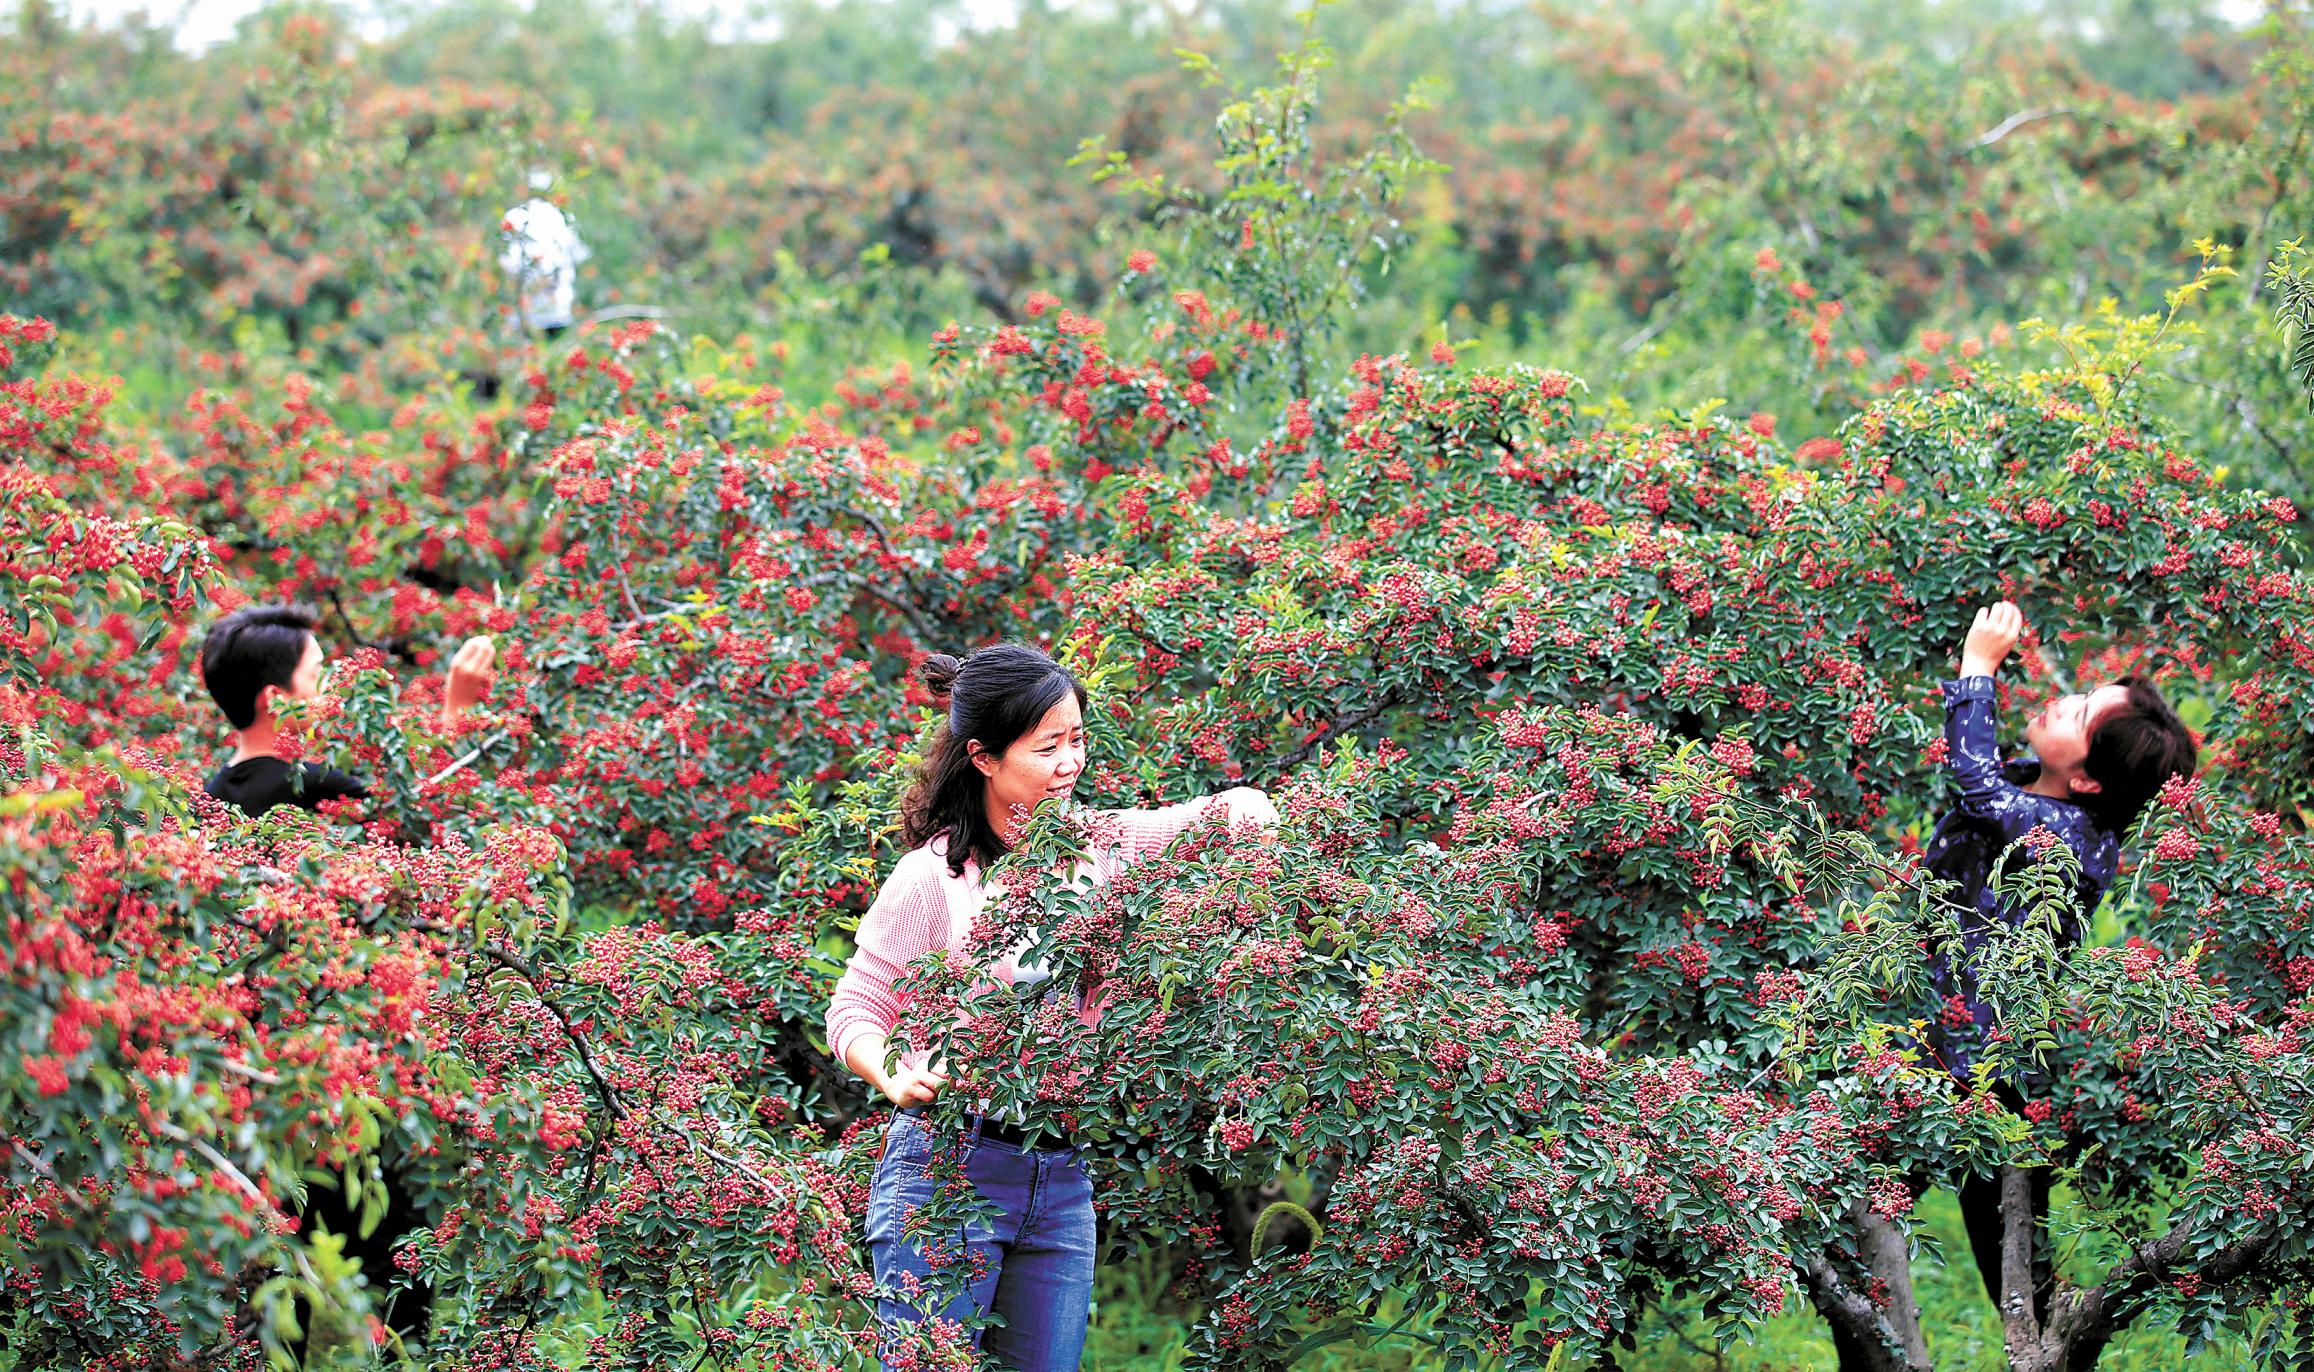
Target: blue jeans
column 1035, row 1263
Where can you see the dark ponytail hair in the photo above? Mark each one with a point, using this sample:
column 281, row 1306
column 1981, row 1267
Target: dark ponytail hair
column 993, row 696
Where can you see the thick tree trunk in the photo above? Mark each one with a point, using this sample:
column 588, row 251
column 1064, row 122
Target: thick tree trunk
column 1867, row 1340
column 1871, row 1335
column 2021, row 1328
column 2067, row 1328
column 1887, row 1256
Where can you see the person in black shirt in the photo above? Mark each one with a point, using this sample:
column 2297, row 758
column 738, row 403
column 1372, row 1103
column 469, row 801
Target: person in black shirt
column 262, row 653
column 257, row 784
column 252, row 658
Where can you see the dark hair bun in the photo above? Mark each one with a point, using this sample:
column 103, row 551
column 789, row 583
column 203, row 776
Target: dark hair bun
column 939, row 673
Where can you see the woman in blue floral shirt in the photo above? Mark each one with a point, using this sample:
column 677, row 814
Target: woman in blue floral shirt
column 2096, row 761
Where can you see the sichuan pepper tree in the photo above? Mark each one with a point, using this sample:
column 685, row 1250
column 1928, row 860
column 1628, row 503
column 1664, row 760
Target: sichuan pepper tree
column 213, row 1017
column 1451, row 502
column 1468, row 553
column 2145, row 558
column 1656, row 951
column 1638, row 925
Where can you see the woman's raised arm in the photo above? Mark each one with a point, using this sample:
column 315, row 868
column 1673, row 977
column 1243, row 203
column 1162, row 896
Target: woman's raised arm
column 1145, row 833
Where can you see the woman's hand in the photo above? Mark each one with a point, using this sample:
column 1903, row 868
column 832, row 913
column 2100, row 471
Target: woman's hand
column 913, row 1086
column 1250, row 803
column 1991, row 638
column 906, row 1087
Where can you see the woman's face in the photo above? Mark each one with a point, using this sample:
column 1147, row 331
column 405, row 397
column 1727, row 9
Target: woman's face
column 1042, row 764
column 2059, row 735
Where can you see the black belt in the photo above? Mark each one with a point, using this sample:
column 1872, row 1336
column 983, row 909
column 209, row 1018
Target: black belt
column 999, row 1130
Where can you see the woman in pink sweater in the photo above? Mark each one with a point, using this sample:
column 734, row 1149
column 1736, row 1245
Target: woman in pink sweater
column 1014, row 738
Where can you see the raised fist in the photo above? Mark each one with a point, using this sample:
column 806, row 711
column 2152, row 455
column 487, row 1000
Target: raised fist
column 471, row 672
column 1991, row 639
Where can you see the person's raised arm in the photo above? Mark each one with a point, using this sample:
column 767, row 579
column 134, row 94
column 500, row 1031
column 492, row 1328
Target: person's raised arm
column 1145, row 833
column 1250, row 804
column 471, row 671
column 1972, row 734
column 1991, row 639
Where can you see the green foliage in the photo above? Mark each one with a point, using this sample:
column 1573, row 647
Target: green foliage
column 2294, row 311
column 1575, row 997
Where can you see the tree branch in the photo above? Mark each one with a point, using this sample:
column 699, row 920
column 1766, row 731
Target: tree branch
column 1755, row 91
column 1152, row 640
column 2085, row 1321
column 2013, row 123
column 515, row 962
column 214, row 1159
column 726, row 1159
column 1852, row 1313
column 243, row 1069
column 925, row 632
column 2020, row 1321
column 462, row 763
column 2245, row 411
column 1666, row 310
column 1336, row 727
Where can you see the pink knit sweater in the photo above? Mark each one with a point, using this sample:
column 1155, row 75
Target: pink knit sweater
column 921, row 907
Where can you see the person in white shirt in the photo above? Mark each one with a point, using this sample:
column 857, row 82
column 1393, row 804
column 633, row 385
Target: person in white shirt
column 540, row 255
